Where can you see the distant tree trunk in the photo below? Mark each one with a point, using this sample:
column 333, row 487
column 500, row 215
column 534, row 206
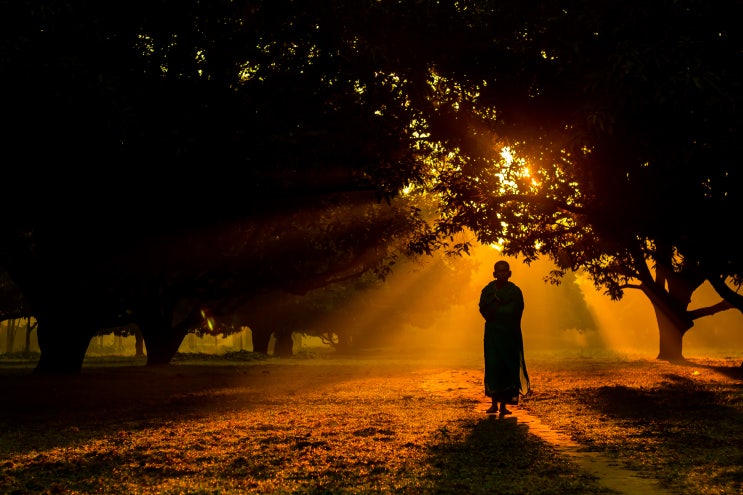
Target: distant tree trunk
column 94, row 345
column 237, row 339
column 138, row 343
column 261, row 339
column 10, row 336
column 345, row 342
column 62, row 345
column 29, row 329
column 284, row 344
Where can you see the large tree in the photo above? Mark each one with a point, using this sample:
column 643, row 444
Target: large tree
column 185, row 154
column 622, row 126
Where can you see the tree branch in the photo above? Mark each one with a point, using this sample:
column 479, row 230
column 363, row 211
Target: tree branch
column 710, row 310
column 728, row 294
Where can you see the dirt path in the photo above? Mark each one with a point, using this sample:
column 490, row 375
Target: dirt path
column 468, row 383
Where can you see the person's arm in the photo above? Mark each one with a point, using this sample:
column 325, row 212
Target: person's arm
column 489, row 303
column 512, row 305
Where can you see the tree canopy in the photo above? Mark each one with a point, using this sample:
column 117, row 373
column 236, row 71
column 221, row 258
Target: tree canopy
column 169, row 155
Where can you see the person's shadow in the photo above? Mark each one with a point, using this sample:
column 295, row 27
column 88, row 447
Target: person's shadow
column 499, row 455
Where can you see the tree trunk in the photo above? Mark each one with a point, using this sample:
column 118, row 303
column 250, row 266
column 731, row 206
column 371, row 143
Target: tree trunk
column 670, row 306
column 161, row 338
column 345, row 342
column 138, row 343
column 671, row 337
column 162, row 345
column 261, row 339
column 10, row 336
column 284, row 346
column 62, row 346
column 29, row 329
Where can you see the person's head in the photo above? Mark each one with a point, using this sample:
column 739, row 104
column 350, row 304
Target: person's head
column 502, row 270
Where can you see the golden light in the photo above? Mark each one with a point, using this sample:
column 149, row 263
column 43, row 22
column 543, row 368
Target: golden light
column 209, row 320
column 497, row 246
column 514, row 174
column 507, row 155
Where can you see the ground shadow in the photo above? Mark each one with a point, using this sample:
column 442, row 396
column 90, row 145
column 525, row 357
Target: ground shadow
column 679, row 417
column 91, row 403
column 499, row 455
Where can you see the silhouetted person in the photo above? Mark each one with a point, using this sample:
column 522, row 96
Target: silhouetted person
column 502, row 304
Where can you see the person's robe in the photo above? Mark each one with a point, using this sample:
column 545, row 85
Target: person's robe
column 506, row 377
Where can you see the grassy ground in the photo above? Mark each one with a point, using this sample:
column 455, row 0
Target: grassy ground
column 681, row 423
column 370, row 424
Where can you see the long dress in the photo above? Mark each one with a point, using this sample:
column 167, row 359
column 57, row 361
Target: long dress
column 506, row 377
